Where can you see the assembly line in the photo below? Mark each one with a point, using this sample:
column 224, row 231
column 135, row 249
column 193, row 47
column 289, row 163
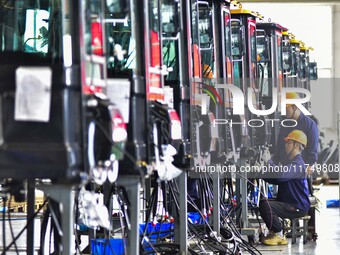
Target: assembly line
column 155, row 126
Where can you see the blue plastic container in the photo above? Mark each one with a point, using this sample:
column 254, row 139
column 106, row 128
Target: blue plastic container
column 159, row 230
column 82, row 227
column 196, row 218
column 102, row 246
column 334, row 203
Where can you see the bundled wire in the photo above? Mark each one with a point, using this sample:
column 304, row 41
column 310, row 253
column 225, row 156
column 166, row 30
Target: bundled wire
column 52, row 211
column 203, row 234
column 29, row 221
column 228, row 228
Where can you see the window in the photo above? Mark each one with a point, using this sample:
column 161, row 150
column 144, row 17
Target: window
column 31, row 27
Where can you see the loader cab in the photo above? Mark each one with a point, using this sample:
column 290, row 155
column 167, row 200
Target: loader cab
column 270, row 64
column 287, row 58
column 270, row 70
column 243, row 25
column 40, row 92
column 308, row 69
column 295, row 68
column 177, row 80
column 244, row 55
column 304, row 66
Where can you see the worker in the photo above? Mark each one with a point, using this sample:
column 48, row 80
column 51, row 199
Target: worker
column 305, row 124
column 292, row 199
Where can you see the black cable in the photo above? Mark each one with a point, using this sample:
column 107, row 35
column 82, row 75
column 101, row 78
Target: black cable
column 122, row 200
column 206, row 239
column 43, row 229
column 29, row 221
column 10, row 223
column 201, row 235
column 148, row 212
column 173, row 247
column 243, row 243
column 165, row 196
column 174, row 194
column 55, row 229
column 154, row 207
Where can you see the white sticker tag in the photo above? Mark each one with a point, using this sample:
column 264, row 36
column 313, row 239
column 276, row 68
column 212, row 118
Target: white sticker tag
column 118, row 91
column 33, row 94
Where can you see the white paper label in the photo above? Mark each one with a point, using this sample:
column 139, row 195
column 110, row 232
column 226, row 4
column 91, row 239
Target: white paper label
column 33, row 94
column 118, row 91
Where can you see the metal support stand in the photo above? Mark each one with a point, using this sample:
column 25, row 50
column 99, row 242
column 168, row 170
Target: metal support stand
column 181, row 228
column 246, row 227
column 216, row 203
column 132, row 185
column 63, row 194
column 244, row 200
column 30, row 213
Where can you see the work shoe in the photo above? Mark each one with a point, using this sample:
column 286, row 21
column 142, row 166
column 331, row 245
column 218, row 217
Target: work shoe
column 275, row 239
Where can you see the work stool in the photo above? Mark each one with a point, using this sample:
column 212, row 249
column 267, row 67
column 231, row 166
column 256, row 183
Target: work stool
column 295, row 228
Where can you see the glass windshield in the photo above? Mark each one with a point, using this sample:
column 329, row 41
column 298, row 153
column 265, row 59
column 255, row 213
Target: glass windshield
column 170, row 29
column 303, row 70
column 120, row 45
column 170, row 18
column 262, row 46
column 252, row 34
column 237, row 38
column 264, row 64
column 31, row 27
column 170, row 59
column 286, row 54
column 279, row 51
column 204, row 26
column 295, row 60
column 206, row 41
column 227, row 34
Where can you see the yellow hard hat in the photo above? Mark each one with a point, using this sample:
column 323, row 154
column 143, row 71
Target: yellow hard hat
column 297, row 136
column 258, row 57
column 291, row 95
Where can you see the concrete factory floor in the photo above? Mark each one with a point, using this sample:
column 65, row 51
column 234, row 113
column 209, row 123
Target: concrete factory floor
column 327, row 228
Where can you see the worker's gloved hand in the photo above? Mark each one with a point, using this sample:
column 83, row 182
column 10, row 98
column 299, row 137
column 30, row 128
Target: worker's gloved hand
column 266, row 156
